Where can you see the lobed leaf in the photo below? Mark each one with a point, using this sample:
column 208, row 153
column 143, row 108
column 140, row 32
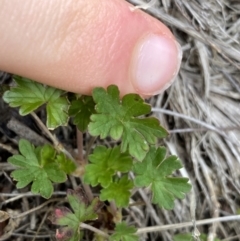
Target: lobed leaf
column 123, row 232
column 119, row 192
column 65, row 164
column 122, row 119
column 42, row 185
column 30, row 95
column 104, row 163
column 154, row 172
column 37, row 166
column 71, row 220
column 81, row 110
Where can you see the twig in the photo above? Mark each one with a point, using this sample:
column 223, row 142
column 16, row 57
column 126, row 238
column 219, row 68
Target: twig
column 24, row 131
column 232, row 80
column 10, row 233
column 31, row 235
column 28, row 194
column 203, row 57
column 213, row 196
column 45, row 129
column 236, row 237
column 148, row 203
column 206, row 125
column 193, row 205
column 169, row 226
column 88, row 191
column 56, row 143
column 197, row 172
column 36, row 208
column 144, row 6
column 188, row 224
column 8, row 148
column 186, row 130
column 41, row 225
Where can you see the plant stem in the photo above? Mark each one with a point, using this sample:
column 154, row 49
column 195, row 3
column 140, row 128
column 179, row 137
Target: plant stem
column 87, row 190
column 95, row 230
column 83, row 162
column 89, row 146
column 54, row 140
column 80, row 145
column 113, row 208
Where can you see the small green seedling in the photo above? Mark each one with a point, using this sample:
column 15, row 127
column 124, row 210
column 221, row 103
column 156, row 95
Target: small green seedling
column 137, row 153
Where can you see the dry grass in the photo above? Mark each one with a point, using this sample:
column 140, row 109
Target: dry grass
column 202, row 112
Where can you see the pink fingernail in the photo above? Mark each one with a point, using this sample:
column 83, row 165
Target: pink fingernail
column 155, row 64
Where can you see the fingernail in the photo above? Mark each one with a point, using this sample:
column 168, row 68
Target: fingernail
column 155, row 64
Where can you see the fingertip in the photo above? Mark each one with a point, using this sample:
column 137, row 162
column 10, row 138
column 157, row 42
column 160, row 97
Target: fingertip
column 79, row 45
column 155, row 63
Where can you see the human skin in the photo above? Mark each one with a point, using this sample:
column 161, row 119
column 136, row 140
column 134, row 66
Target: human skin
column 76, row 45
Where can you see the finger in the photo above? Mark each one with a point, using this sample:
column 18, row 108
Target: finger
column 77, row 45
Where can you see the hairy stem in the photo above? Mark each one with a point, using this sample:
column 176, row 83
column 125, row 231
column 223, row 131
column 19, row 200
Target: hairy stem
column 83, row 161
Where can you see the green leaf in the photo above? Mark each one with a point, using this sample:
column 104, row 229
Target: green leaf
column 189, row 237
column 121, row 119
column 65, row 164
column 55, row 173
column 29, row 95
column 124, row 233
column 46, row 154
column 42, row 185
column 81, row 210
column 82, row 109
column 27, row 150
column 154, row 171
column 71, row 220
column 119, row 191
column 104, row 163
column 36, row 166
column 69, row 230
